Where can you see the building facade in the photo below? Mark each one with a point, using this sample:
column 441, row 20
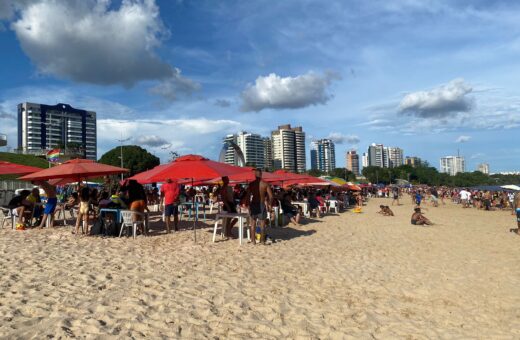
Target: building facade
column 452, row 165
column 352, row 162
column 44, row 127
column 364, row 160
column 412, row 161
column 289, row 148
column 484, row 168
column 268, row 153
column 377, row 156
column 323, row 155
column 252, row 146
column 394, row 157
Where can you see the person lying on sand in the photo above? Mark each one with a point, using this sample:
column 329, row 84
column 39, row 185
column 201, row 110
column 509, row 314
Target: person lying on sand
column 385, row 210
column 419, row 219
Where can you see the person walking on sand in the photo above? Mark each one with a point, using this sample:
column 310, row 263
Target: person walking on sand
column 516, row 207
column 395, row 192
column 84, row 207
column 255, row 198
column 50, row 205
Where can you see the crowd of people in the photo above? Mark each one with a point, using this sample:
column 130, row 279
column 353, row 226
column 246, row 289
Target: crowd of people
column 257, row 198
column 467, row 198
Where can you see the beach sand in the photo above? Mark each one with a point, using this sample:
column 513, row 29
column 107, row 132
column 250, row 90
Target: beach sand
column 342, row 276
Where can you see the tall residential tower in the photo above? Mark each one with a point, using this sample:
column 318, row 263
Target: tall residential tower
column 43, row 127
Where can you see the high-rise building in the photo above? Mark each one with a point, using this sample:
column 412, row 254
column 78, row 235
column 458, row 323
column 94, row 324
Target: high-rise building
column 244, row 149
column 352, row 162
column 376, row 156
column 452, row 165
column 484, row 168
column 413, row 161
column 252, row 146
column 268, row 153
column 393, row 157
column 364, row 160
column 289, row 148
column 43, row 127
column 323, row 155
column 231, row 156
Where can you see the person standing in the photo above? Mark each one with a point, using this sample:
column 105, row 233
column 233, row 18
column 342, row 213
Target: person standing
column 169, row 199
column 516, row 206
column 395, row 192
column 256, row 199
column 50, row 205
column 228, row 201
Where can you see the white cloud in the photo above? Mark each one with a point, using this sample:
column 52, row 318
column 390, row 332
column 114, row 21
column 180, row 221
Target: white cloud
column 198, row 135
column 275, row 92
column 463, row 139
column 438, row 102
column 91, row 41
column 340, row 138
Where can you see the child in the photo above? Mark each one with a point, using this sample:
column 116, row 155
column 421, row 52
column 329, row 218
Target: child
column 84, row 206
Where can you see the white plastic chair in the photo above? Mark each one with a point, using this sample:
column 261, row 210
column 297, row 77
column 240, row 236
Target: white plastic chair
column 5, row 215
column 128, row 223
column 333, row 204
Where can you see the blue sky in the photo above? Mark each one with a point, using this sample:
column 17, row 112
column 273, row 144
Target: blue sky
column 432, row 77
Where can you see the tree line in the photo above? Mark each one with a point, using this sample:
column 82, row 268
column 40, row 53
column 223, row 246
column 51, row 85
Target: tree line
column 425, row 174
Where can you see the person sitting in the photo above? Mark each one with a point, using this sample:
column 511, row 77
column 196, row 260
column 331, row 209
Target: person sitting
column 419, row 219
column 385, row 210
column 34, row 198
column 19, row 205
column 105, row 200
column 289, row 210
column 314, row 204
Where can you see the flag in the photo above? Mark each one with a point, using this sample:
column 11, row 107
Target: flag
column 53, row 156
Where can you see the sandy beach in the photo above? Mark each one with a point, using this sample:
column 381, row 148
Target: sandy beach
column 342, row 276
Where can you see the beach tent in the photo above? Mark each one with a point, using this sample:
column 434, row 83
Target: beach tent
column 8, row 168
column 511, row 187
column 76, row 169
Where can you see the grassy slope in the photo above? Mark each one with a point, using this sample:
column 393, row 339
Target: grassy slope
column 24, row 159
column 28, row 160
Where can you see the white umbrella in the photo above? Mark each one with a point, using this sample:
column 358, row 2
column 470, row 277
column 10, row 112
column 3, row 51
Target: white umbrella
column 511, row 187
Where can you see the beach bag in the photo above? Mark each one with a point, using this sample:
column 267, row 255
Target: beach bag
column 111, row 228
column 97, row 228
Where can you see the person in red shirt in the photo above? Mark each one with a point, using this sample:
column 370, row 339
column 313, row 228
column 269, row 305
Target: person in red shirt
column 169, row 197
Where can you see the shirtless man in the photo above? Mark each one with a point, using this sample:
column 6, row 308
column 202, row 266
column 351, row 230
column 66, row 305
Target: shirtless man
column 256, row 199
column 419, row 219
column 516, row 207
column 50, row 205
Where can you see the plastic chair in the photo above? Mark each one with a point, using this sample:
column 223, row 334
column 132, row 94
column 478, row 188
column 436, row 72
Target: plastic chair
column 334, row 205
column 128, row 223
column 5, row 215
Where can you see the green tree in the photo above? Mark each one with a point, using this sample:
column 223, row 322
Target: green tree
column 135, row 158
column 315, row 172
column 347, row 175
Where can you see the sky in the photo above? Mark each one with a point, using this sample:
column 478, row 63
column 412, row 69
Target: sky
column 432, row 77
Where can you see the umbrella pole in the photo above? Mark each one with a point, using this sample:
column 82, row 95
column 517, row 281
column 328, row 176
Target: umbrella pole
column 195, row 214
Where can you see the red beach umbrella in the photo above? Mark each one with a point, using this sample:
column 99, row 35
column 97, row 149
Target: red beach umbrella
column 145, row 176
column 194, row 168
column 76, row 169
column 8, row 168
